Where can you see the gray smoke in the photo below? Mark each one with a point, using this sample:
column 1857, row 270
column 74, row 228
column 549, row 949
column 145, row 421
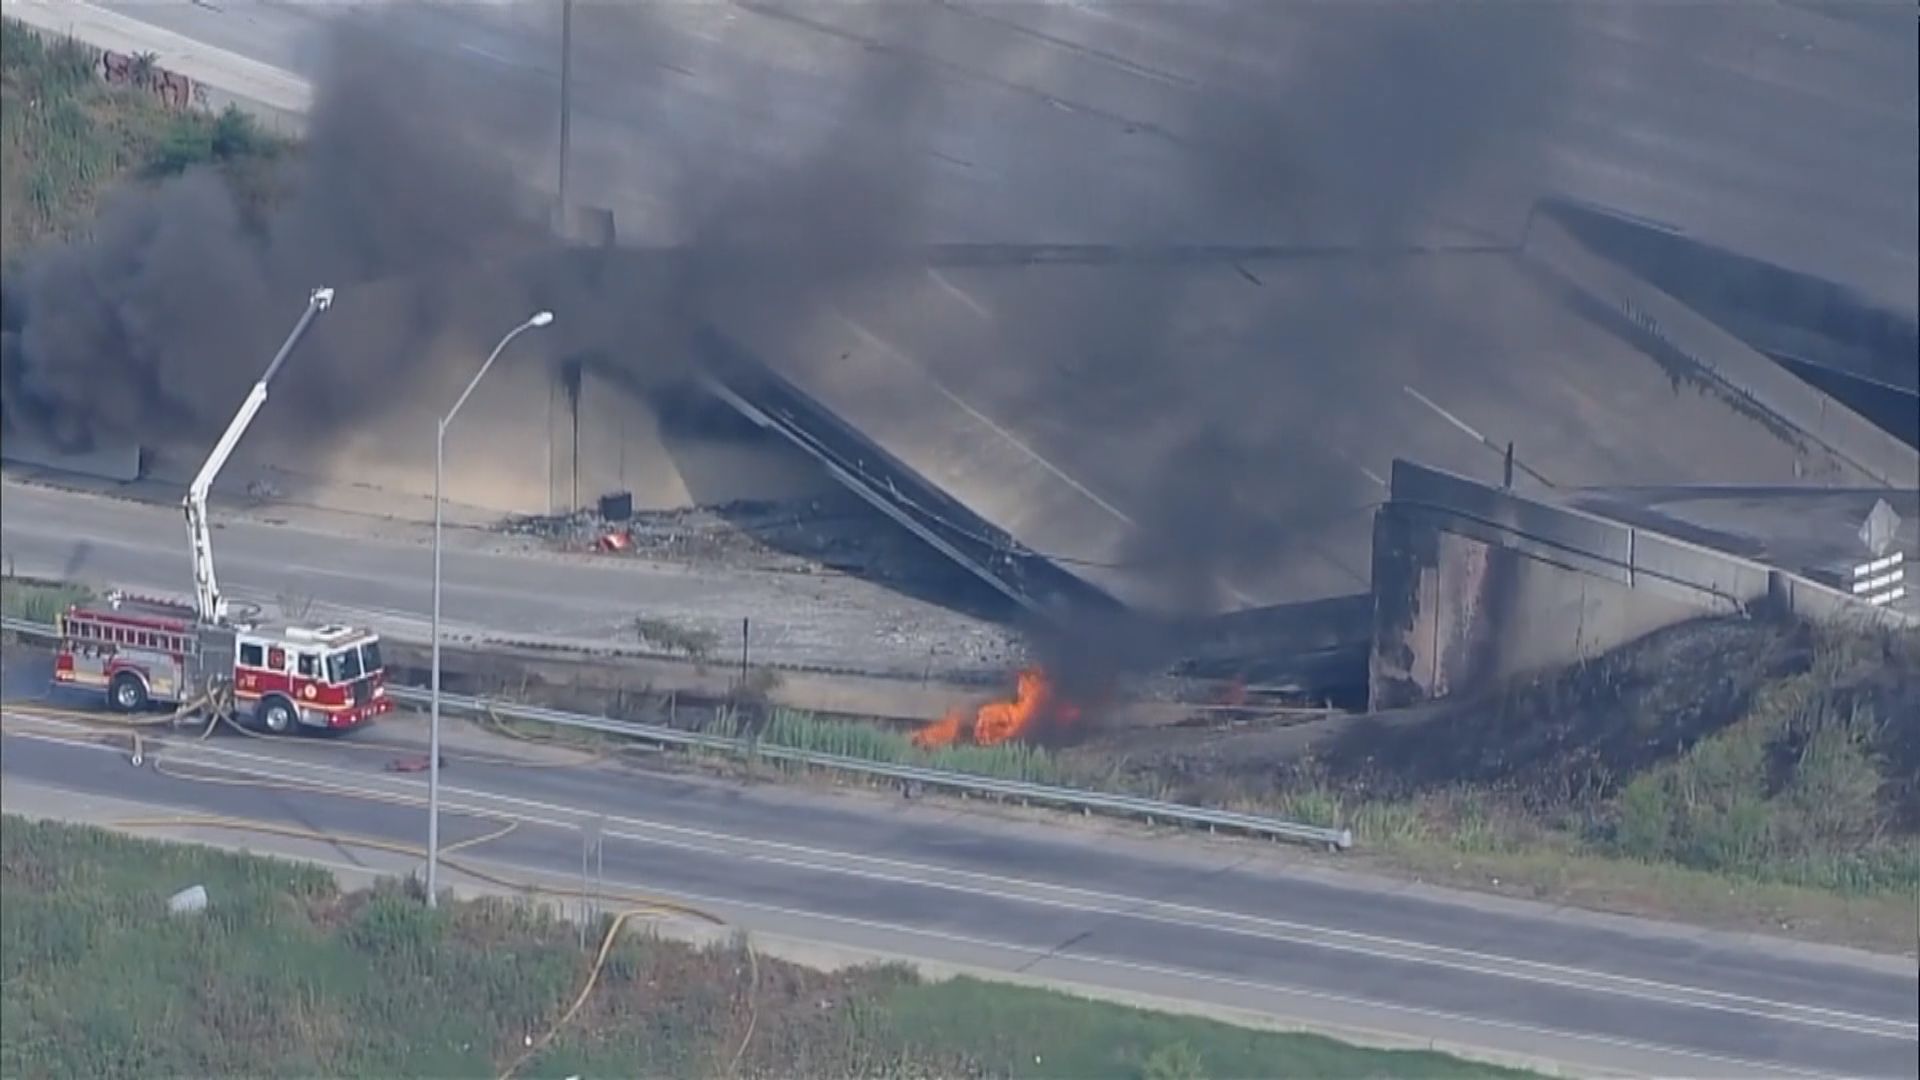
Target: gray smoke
column 1382, row 127
column 1373, row 127
column 1390, row 122
column 1366, row 125
column 153, row 327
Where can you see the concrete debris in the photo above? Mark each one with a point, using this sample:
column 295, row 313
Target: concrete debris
column 832, row 533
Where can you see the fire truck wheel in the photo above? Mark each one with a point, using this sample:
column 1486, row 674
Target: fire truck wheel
column 277, row 717
column 126, row 693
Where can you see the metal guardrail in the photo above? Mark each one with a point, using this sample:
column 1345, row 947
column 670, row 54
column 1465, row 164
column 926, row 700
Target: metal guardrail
column 1089, row 802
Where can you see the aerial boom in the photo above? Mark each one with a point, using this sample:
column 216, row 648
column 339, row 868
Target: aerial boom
column 208, row 602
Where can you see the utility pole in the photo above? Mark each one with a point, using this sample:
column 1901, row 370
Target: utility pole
column 566, row 108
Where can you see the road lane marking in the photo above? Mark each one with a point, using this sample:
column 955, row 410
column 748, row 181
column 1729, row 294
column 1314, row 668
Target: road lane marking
column 500, row 58
column 882, row 345
column 1094, row 902
column 1117, row 903
column 966, row 298
column 1043, row 957
column 1447, row 416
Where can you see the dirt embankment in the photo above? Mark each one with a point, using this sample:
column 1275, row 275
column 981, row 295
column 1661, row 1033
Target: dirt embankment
column 1777, row 751
column 1567, row 740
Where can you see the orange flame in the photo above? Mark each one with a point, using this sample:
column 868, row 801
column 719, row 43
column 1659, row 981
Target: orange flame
column 997, row 722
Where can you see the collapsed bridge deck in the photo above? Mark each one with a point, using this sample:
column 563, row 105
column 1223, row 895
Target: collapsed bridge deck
column 1092, row 428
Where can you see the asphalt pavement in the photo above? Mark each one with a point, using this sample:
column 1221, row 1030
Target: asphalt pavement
column 1035, row 123
column 1687, row 124
column 1247, row 928
column 492, row 586
column 1785, row 132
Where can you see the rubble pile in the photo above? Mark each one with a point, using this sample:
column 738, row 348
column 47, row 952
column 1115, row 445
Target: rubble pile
column 831, row 533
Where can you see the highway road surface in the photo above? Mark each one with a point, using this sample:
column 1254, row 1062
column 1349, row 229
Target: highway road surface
column 492, row 585
column 1239, row 927
column 1785, row 131
column 1074, row 409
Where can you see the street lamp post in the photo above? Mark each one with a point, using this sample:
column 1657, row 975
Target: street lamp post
column 539, row 319
column 566, row 106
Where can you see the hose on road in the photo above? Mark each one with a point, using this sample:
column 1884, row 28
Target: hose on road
column 593, row 978
column 217, row 721
column 640, row 907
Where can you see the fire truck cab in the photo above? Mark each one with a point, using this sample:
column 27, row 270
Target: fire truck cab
column 323, row 677
column 282, row 678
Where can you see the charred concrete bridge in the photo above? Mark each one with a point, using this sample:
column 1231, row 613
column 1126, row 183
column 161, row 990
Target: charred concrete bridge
column 1069, row 420
column 947, row 398
column 1045, row 478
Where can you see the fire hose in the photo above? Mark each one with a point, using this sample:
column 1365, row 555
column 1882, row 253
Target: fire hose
column 641, row 906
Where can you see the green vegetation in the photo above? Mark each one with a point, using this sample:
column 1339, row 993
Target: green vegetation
column 694, row 643
column 67, row 138
column 1733, row 773
column 38, row 601
column 1013, row 1031
column 1790, row 758
column 285, row 975
column 1737, row 772
column 1740, row 772
column 871, row 742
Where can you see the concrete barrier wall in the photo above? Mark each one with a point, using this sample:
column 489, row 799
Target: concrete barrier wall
column 119, row 460
column 522, row 445
column 1840, row 445
column 277, row 97
column 175, row 91
column 1474, row 585
column 525, row 444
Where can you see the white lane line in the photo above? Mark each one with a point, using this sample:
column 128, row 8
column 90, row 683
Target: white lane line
column 501, row 58
column 966, row 298
column 1046, row 957
column 1364, row 471
column 1447, row 416
column 876, row 342
column 901, row 872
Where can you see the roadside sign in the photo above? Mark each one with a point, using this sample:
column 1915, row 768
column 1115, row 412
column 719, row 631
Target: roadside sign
column 1880, row 527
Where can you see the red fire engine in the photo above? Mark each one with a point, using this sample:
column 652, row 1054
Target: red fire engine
column 145, row 652
column 142, row 652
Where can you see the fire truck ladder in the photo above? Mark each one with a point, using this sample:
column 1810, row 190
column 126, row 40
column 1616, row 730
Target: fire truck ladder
column 207, row 601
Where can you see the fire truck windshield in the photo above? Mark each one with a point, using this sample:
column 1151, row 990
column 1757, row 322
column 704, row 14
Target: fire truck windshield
column 353, row 662
column 344, row 666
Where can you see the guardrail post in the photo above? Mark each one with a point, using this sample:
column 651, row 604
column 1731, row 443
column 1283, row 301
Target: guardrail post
column 966, row 786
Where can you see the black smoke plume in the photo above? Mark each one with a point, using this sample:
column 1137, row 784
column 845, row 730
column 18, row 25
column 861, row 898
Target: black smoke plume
column 1365, row 127
column 154, row 326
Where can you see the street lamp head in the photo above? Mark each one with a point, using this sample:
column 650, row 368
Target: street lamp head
column 540, row 318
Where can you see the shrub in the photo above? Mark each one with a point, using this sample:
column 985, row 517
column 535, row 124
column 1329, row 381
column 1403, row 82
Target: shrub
column 393, row 927
column 1175, row 1061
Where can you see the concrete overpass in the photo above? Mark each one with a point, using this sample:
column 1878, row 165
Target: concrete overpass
column 1066, row 424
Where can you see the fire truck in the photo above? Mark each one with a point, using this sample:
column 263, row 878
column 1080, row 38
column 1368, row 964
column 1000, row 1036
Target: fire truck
column 145, row 652
column 280, row 677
